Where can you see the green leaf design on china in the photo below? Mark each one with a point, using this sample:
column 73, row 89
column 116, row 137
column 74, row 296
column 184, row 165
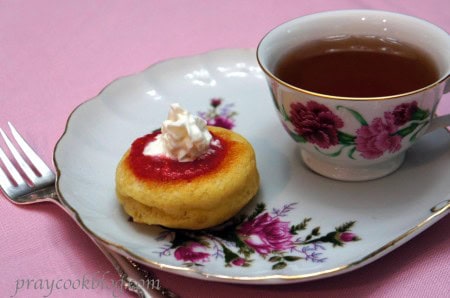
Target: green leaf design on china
column 297, row 138
column 355, row 114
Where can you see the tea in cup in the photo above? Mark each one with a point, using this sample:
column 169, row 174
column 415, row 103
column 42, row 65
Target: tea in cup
column 356, row 88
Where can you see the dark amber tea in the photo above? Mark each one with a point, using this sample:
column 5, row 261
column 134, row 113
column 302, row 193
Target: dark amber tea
column 357, row 66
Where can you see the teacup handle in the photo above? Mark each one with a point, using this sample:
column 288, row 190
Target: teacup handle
column 447, row 85
column 438, row 122
column 441, row 121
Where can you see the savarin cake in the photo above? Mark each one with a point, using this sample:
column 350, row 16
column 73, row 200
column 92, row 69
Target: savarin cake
column 187, row 175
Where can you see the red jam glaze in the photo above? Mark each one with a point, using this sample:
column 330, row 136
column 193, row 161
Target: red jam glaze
column 162, row 168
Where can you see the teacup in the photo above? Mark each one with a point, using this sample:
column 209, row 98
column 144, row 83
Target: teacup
column 356, row 138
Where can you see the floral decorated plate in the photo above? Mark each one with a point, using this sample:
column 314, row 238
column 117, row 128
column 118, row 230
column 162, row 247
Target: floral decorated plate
column 301, row 226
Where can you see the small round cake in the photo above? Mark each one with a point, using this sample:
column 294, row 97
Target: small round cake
column 194, row 194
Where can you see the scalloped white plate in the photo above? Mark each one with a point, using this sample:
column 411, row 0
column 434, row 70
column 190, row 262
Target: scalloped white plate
column 307, row 226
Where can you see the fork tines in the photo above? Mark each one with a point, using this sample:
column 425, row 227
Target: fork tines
column 20, row 171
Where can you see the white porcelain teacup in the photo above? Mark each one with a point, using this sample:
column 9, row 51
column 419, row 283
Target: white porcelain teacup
column 366, row 138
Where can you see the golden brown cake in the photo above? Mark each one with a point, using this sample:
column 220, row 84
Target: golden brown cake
column 190, row 195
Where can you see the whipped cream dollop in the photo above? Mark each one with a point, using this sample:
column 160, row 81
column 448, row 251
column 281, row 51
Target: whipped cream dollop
column 184, row 137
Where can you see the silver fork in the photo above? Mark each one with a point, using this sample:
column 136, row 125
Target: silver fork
column 32, row 181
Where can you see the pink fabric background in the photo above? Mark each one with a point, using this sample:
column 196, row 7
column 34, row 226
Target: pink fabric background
column 56, row 54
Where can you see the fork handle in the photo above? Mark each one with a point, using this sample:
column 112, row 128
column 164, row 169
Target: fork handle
column 130, row 275
column 133, row 277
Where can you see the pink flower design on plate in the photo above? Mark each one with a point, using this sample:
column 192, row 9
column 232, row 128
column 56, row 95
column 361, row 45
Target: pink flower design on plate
column 238, row 262
column 192, row 252
column 215, row 102
column 221, row 121
column 316, row 123
column 265, row 234
column 348, row 236
column 262, row 233
column 378, row 137
column 219, row 114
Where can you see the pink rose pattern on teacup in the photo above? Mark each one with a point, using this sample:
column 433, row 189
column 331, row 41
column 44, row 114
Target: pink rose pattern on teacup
column 378, row 137
column 263, row 233
column 316, row 124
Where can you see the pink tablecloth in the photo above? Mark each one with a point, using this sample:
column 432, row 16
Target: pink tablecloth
column 56, row 54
